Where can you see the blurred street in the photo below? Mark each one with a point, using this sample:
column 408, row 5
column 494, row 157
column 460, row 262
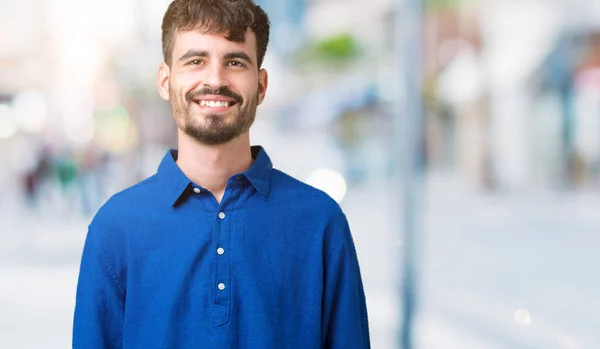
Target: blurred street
column 496, row 103
column 486, row 257
column 513, row 271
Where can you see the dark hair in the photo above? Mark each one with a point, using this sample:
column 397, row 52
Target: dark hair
column 229, row 17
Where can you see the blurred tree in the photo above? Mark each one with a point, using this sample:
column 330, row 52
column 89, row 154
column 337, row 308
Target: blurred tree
column 341, row 47
column 443, row 4
column 334, row 53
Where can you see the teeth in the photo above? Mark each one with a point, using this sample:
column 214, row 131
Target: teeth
column 214, row 104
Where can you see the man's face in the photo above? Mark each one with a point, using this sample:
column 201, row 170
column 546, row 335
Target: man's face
column 213, row 85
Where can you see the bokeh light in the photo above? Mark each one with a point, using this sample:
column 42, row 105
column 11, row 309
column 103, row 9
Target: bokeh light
column 522, row 317
column 30, row 111
column 8, row 126
column 329, row 181
column 80, row 133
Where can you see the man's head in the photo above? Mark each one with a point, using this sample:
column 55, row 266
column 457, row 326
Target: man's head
column 212, row 76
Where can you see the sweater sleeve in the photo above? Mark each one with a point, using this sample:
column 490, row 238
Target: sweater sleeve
column 100, row 300
column 345, row 321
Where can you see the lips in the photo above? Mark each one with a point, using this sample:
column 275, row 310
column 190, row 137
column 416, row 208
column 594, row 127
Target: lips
column 219, row 98
column 211, row 103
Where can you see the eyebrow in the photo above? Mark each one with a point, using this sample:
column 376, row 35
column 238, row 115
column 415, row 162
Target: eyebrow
column 205, row 54
column 193, row 53
column 239, row 55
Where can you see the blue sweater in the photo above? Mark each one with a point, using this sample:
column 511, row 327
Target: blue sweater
column 272, row 266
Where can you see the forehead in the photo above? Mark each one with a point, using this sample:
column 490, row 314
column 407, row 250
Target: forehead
column 215, row 44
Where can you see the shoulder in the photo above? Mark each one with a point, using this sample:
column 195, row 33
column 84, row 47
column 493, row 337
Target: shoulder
column 285, row 185
column 139, row 191
column 305, row 198
column 107, row 235
column 124, row 205
column 323, row 214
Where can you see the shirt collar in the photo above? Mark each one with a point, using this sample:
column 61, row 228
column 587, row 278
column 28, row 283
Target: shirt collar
column 170, row 175
column 259, row 174
column 176, row 183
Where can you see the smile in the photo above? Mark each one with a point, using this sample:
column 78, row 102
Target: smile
column 214, row 104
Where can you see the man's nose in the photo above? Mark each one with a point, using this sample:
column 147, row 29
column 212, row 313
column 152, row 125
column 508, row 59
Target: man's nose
column 216, row 77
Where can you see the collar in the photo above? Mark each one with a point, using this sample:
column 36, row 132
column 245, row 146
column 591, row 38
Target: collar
column 176, row 183
column 259, row 174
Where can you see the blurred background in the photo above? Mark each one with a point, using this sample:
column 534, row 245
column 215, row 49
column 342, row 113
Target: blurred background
column 506, row 183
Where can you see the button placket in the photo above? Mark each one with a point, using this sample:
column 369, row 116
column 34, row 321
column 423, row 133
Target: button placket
column 222, row 298
column 224, row 285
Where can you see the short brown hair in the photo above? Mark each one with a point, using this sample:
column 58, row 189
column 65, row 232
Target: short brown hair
column 230, row 17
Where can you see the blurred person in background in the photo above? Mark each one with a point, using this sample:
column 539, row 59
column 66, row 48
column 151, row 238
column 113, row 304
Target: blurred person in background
column 34, row 177
column 92, row 169
column 218, row 249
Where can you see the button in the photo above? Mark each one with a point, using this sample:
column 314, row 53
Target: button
column 220, row 250
column 197, row 190
column 221, row 286
column 222, row 215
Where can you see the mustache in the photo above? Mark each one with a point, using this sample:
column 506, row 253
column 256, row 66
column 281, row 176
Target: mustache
column 221, row 91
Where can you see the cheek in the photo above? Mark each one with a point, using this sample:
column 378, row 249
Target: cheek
column 245, row 81
column 249, row 89
column 185, row 82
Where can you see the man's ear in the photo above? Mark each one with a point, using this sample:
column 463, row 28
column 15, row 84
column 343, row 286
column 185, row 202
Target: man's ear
column 263, row 83
column 162, row 80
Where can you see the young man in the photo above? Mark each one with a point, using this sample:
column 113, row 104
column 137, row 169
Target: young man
column 218, row 249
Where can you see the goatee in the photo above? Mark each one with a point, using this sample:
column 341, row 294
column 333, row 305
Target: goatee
column 213, row 129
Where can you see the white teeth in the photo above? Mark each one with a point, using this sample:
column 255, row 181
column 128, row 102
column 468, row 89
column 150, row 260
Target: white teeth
column 214, row 104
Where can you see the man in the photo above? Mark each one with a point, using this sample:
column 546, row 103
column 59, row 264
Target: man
column 218, row 249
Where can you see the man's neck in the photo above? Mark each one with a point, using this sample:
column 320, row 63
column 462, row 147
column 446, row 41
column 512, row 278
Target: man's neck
column 211, row 166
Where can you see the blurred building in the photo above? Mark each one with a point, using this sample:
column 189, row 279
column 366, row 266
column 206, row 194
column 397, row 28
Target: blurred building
column 507, row 95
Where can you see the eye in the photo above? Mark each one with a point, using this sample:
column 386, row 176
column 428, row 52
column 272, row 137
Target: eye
column 237, row 64
column 195, row 62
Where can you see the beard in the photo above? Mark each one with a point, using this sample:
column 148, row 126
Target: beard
column 212, row 129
